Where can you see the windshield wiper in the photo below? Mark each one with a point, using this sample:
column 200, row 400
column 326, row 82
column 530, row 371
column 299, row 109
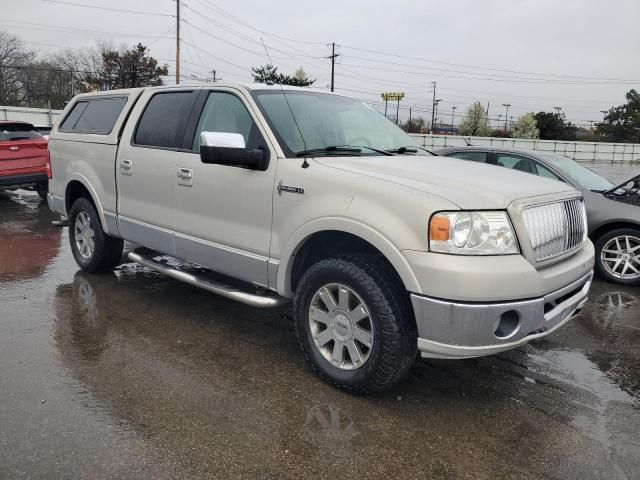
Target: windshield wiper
column 350, row 149
column 409, row 149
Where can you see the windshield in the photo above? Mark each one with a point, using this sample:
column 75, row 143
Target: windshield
column 17, row 131
column 584, row 177
column 328, row 121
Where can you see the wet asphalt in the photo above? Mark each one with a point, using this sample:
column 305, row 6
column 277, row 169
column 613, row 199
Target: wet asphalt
column 135, row 375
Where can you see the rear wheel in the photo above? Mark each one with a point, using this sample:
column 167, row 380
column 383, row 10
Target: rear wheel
column 618, row 256
column 93, row 249
column 354, row 323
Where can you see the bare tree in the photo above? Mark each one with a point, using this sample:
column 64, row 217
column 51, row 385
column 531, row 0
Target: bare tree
column 13, row 58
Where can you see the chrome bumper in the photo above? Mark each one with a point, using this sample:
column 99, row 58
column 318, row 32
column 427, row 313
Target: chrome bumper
column 463, row 330
column 56, row 204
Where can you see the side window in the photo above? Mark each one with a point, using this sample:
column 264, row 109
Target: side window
column 96, row 116
column 163, row 121
column 224, row 112
column 474, row 156
column 516, row 162
column 69, row 122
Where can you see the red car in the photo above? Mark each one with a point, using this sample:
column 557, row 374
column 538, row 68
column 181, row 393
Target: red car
column 24, row 158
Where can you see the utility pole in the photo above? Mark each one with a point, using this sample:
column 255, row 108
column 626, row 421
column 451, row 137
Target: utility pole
column 214, row 75
column 177, row 42
column 591, row 124
column 488, row 121
column 506, row 115
column 604, row 114
column 433, row 107
column 333, row 57
column 557, row 109
column 409, row 117
column 436, row 102
column 453, row 109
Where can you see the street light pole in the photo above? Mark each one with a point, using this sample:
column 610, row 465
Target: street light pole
column 506, row 115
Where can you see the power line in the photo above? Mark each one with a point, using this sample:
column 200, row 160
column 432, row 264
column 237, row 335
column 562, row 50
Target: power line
column 63, row 29
column 84, row 5
column 485, row 68
column 514, row 80
column 232, row 17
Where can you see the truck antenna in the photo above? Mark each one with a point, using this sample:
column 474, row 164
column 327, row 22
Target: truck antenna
column 304, row 144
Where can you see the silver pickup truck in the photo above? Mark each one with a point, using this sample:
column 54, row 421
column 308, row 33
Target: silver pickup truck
column 292, row 194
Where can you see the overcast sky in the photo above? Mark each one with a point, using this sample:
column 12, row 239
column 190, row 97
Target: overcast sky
column 581, row 55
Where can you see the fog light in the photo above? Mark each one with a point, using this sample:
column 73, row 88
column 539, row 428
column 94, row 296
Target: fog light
column 508, row 324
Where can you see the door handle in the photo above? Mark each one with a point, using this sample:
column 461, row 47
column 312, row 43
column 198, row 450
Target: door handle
column 125, row 166
column 185, row 177
column 185, row 173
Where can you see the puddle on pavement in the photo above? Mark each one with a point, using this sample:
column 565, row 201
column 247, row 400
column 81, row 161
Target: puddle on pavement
column 208, row 384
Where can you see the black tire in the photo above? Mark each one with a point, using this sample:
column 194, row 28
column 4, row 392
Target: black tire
column 394, row 346
column 600, row 244
column 42, row 191
column 107, row 251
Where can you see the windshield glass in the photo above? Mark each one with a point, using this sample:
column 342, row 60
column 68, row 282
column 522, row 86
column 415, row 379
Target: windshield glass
column 17, row 131
column 327, row 121
column 584, row 177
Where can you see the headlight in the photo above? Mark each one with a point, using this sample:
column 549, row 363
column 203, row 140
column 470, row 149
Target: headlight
column 472, row 233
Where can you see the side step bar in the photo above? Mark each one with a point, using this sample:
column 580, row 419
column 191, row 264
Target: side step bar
column 253, row 299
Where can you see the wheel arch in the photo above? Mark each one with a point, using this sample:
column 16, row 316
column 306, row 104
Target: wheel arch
column 324, row 237
column 78, row 186
column 612, row 225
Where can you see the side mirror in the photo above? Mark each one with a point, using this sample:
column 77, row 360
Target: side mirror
column 223, row 148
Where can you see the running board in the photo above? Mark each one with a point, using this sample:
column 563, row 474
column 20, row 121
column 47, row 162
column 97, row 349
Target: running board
column 253, row 299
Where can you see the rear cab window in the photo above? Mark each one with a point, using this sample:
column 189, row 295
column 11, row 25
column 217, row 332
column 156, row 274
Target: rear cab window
column 94, row 115
column 162, row 123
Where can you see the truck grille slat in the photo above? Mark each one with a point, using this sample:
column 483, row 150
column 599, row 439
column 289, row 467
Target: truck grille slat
column 556, row 228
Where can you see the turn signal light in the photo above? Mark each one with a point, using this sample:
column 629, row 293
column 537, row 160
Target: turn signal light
column 439, row 227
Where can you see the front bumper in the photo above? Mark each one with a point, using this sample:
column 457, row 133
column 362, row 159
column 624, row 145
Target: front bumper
column 451, row 329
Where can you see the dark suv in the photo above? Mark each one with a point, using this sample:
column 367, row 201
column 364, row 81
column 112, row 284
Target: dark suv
column 613, row 212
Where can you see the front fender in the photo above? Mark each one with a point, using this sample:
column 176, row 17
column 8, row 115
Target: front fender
column 346, row 225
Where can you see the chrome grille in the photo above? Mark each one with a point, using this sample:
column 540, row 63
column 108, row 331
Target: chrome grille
column 556, row 228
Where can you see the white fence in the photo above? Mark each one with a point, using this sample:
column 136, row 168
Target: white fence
column 35, row 116
column 584, row 152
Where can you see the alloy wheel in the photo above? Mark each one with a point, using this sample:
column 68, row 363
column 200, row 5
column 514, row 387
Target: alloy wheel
column 620, row 257
column 341, row 326
column 84, row 235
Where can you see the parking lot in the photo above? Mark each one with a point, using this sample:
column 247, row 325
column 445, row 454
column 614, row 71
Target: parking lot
column 135, row 375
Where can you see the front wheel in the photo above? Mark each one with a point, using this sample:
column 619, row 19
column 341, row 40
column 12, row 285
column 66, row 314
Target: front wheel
column 355, row 324
column 93, row 249
column 618, row 256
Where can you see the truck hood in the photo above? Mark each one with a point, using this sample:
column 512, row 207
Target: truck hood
column 469, row 185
